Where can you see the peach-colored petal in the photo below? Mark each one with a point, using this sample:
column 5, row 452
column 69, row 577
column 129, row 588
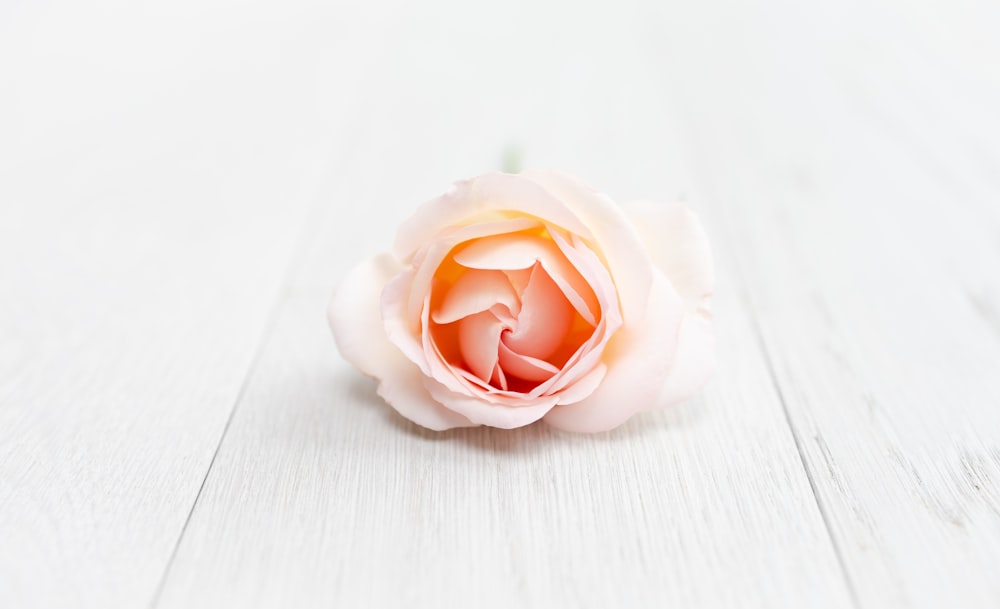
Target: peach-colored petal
column 638, row 360
column 439, row 365
column 476, row 291
column 544, row 321
column 694, row 363
column 499, row 378
column 519, row 251
column 485, row 413
column 592, row 270
column 589, row 354
column 495, row 393
column 583, row 386
column 584, row 359
column 479, row 339
column 361, row 339
column 518, row 279
column 505, row 315
column 429, row 258
column 616, row 238
column 678, row 246
column 488, row 197
column 524, row 366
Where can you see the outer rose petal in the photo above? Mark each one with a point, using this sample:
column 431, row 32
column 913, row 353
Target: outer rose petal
column 479, row 199
column 360, row 336
column 354, row 314
column 404, row 390
column 638, row 360
column 616, row 238
column 485, row 413
column 693, row 364
column 583, row 386
column 678, row 246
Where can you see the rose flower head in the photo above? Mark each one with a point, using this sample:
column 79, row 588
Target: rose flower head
column 519, row 297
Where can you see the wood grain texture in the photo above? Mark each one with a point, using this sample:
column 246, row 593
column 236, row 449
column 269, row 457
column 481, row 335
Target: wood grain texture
column 858, row 179
column 147, row 221
column 321, row 495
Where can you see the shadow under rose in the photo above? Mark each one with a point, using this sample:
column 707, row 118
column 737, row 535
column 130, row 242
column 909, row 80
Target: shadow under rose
column 528, row 439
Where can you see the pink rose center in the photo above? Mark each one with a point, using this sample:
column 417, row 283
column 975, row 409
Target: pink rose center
column 508, row 311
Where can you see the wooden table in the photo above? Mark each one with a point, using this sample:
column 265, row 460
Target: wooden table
column 182, row 185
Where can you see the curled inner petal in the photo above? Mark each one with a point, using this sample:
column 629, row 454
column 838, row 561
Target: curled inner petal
column 479, row 336
column 476, row 291
column 519, row 315
column 524, row 366
column 544, row 320
column 521, row 250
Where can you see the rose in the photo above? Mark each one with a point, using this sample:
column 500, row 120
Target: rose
column 514, row 298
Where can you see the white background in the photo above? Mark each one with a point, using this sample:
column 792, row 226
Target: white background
column 182, row 184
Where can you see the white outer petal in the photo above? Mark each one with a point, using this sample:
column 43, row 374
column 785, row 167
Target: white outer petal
column 403, row 389
column 354, row 316
column 678, row 246
column 694, row 363
column 478, row 199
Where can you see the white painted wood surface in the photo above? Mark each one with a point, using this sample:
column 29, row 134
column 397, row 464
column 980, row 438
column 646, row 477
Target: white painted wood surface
column 181, row 187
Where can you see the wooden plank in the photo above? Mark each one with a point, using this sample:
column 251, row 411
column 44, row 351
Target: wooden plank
column 321, row 495
column 857, row 174
column 148, row 215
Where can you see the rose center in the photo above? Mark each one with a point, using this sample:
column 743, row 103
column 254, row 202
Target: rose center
column 510, row 317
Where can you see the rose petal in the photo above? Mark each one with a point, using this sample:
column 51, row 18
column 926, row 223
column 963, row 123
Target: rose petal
column 479, row 339
column 360, row 337
column 678, row 246
column 485, row 413
column 487, row 197
column 518, row 279
column 638, row 358
column 524, row 366
column 401, row 332
column 694, row 363
column 403, row 389
column 544, row 320
column 476, row 291
column 430, row 257
column 354, row 314
column 509, row 252
column 499, row 378
column 588, row 355
column 594, row 274
column 616, row 238
column 438, row 364
column 518, row 251
column 584, row 385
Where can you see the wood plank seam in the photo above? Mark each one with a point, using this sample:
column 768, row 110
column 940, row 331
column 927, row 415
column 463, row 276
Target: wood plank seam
column 769, row 363
column 765, row 352
column 316, row 212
